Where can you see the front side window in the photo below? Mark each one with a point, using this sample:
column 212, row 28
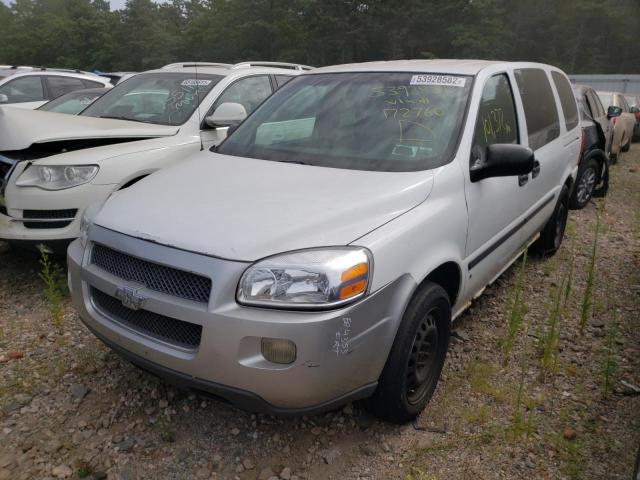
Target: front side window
column 541, row 114
column 357, row 120
column 248, row 92
column 23, row 89
column 496, row 121
column 164, row 98
column 596, row 108
column 567, row 100
column 282, row 79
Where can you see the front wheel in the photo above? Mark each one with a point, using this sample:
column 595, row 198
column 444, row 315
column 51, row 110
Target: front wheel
column 586, row 181
column 417, row 356
column 553, row 232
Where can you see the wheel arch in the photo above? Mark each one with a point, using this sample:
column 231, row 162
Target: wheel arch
column 449, row 276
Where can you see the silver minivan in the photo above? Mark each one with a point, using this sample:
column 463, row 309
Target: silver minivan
column 319, row 255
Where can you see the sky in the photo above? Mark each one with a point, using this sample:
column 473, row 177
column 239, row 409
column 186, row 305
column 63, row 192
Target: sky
column 115, row 4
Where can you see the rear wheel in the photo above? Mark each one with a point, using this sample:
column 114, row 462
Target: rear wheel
column 586, row 181
column 416, row 359
column 626, row 147
column 553, row 232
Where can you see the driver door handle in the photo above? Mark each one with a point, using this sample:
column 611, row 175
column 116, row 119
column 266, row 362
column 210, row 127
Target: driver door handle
column 536, row 169
column 523, row 179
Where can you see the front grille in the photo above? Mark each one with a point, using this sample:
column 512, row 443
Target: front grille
column 49, row 214
column 45, row 225
column 170, row 330
column 160, row 278
column 51, row 217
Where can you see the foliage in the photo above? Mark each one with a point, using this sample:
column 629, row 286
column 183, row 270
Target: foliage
column 577, row 35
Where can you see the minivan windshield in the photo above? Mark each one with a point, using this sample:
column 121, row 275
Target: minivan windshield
column 165, row 98
column 357, row 120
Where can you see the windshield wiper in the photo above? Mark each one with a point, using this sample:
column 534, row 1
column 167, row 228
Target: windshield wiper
column 121, row 117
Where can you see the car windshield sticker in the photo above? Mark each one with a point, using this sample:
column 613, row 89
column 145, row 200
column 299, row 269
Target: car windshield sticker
column 438, row 80
column 192, row 82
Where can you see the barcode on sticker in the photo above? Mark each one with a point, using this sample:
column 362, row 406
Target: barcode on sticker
column 439, row 80
column 192, row 82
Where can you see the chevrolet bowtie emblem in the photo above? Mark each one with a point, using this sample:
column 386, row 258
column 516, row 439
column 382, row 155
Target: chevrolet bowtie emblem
column 130, row 297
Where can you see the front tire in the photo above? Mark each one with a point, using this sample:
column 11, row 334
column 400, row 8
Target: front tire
column 586, row 181
column 417, row 356
column 553, row 232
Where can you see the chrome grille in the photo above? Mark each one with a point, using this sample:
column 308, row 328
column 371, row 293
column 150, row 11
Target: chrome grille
column 160, row 278
column 169, row 330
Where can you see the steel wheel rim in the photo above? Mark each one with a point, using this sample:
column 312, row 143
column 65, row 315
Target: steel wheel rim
column 423, row 358
column 586, row 184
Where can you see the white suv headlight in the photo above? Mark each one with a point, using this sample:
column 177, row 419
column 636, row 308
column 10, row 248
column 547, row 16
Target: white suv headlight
column 314, row 278
column 57, row 177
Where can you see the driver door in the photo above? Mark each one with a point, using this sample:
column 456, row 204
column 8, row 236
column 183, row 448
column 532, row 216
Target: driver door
column 495, row 205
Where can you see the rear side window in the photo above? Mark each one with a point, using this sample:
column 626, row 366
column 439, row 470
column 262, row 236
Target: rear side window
column 541, row 114
column 90, row 84
column 496, row 122
column 60, row 85
column 567, row 100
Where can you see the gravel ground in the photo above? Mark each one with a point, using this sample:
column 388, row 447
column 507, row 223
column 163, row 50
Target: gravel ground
column 551, row 400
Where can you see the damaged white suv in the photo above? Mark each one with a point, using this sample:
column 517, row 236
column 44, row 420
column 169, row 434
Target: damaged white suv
column 52, row 166
column 320, row 254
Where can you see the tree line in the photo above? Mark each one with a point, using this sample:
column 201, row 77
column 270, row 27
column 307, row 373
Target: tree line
column 580, row 36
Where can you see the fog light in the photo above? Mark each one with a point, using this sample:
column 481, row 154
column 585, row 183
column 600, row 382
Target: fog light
column 279, row 350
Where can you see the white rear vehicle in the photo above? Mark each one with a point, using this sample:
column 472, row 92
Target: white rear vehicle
column 52, row 166
column 31, row 88
column 320, row 254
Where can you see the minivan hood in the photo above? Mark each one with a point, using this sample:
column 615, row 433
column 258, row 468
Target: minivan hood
column 246, row 209
column 20, row 128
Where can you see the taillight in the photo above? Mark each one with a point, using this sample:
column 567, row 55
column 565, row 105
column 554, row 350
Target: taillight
column 583, row 142
column 614, row 120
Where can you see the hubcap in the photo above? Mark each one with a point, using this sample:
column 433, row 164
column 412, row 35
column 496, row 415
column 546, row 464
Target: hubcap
column 423, row 359
column 585, row 186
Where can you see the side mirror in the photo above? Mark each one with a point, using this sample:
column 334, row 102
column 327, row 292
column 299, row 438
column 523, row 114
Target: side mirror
column 503, row 160
column 614, row 111
column 635, row 110
column 4, row 98
column 226, row 115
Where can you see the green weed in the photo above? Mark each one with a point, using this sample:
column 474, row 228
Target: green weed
column 587, row 301
column 55, row 289
column 517, row 309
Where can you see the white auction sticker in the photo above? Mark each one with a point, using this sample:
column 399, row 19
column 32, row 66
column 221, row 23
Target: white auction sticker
column 439, row 80
column 192, row 82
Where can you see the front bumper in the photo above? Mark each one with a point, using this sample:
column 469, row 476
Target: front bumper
column 340, row 353
column 48, row 225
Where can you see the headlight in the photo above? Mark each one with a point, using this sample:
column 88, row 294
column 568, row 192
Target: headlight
column 87, row 219
column 57, row 177
column 315, row 278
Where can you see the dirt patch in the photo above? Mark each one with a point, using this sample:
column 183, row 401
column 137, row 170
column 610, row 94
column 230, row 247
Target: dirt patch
column 536, row 385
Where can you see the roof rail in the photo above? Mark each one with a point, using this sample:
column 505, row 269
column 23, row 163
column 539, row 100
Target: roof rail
column 196, row 64
column 292, row 66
